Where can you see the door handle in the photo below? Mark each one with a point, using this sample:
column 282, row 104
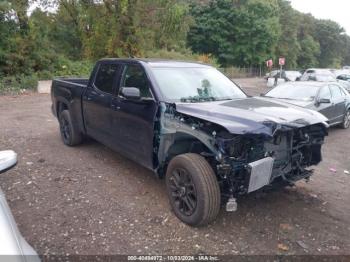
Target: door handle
column 87, row 98
column 114, row 107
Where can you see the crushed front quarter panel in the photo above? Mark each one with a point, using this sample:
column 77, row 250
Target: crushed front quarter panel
column 234, row 139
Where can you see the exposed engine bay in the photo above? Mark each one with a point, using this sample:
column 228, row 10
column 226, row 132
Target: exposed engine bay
column 292, row 151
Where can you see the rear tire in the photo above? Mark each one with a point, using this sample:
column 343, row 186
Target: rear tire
column 346, row 120
column 193, row 189
column 69, row 133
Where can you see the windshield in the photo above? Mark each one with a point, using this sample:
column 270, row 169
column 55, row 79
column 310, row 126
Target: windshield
column 294, row 92
column 195, row 85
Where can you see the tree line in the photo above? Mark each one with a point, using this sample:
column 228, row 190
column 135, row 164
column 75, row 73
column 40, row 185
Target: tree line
column 67, row 38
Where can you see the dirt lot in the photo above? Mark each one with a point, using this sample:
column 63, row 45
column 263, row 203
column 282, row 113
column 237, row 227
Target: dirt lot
column 90, row 200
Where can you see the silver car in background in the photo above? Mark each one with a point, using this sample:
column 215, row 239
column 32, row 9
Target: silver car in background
column 13, row 247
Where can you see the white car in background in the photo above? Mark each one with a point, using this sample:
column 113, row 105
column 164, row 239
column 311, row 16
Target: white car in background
column 339, row 72
column 279, row 77
column 318, row 74
column 12, row 244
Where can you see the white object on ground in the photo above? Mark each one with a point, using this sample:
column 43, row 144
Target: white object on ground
column 8, row 159
column 270, row 82
column 44, row 86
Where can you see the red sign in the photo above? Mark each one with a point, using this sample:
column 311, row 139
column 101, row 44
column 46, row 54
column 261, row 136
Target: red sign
column 282, row 61
column 269, row 63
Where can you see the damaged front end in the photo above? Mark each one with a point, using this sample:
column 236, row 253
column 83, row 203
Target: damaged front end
column 251, row 162
column 244, row 162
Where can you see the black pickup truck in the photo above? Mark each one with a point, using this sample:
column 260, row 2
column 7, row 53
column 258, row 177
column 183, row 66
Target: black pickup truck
column 188, row 123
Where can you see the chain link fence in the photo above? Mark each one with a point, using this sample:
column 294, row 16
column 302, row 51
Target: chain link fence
column 240, row 72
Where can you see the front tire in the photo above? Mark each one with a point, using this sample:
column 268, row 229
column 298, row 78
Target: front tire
column 69, row 133
column 193, row 189
column 346, row 120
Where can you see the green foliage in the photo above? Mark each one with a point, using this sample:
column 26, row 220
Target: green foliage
column 310, row 51
column 248, row 32
column 186, row 55
column 288, row 45
column 237, row 32
column 230, row 33
column 66, row 67
column 17, row 84
column 328, row 34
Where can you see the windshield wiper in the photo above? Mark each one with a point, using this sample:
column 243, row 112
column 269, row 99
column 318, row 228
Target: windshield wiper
column 224, row 99
column 197, row 99
column 285, row 98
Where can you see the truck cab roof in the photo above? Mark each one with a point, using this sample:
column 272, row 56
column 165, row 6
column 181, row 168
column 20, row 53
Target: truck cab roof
column 159, row 62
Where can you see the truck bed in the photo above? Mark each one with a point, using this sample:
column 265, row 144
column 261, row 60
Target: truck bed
column 69, row 91
column 73, row 81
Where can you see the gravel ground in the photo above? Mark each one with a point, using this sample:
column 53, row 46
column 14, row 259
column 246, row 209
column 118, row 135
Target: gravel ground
column 90, row 200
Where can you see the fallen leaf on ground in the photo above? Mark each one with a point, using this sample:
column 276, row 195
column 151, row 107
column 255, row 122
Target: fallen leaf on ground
column 283, row 247
column 302, row 244
column 286, row 227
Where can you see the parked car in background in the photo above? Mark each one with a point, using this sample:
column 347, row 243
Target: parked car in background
column 12, row 244
column 344, row 77
column 320, row 75
column 190, row 124
column 286, row 75
column 328, row 75
column 272, row 74
column 279, row 77
column 328, row 98
column 345, row 84
column 339, row 72
column 292, row 75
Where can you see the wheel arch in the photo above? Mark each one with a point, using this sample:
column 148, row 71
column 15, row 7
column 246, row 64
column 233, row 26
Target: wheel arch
column 182, row 143
column 61, row 104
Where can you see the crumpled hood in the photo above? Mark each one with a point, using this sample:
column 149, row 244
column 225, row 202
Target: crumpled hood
column 252, row 115
column 305, row 104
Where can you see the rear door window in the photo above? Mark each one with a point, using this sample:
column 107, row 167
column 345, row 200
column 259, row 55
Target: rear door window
column 325, row 93
column 336, row 93
column 106, row 77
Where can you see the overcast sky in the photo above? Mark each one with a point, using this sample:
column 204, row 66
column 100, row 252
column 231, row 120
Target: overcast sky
column 336, row 10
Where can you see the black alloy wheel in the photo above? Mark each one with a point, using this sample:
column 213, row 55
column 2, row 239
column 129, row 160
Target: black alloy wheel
column 346, row 121
column 193, row 189
column 65, row 131
column 183, row 191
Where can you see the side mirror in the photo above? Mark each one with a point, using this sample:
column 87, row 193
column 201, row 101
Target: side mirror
column 131, row 93
column 324, row 101
column 8, row 159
